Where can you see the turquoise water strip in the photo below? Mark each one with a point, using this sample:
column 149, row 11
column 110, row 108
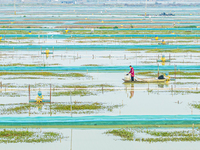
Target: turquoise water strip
column 102, row 120
column 100, row 68
column 96, row 47
column 60, row 36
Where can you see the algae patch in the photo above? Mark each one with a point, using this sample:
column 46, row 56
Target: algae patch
column 156, row 136
column 54, row 108
column 15, row 136
column 73, row 93
column 165, row 50
column 44, row 74
column 124, row 134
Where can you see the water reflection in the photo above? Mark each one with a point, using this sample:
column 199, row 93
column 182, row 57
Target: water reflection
column 132, row 91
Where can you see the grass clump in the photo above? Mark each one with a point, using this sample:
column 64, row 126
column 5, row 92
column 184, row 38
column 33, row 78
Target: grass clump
column 124, row 134
column 100, row 85
column 104, row 27
column 19, row 108
column 10, row 94
column 166, row 50
column 185, row 73
column 157, row 136
column 147, row 73
column 15, row 134
column 91, row 65
column 54, row 108
column 20, row 38
column 185, row 26
column 173, row 139
column 196, row 106
column 27, row 65
column 92, row 106
column 73, row 93
column 12, row 136
column 44, row 74
column 164, row 134
column 85, row 86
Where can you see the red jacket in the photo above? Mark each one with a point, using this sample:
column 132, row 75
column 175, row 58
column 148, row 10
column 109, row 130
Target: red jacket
column 132, row 72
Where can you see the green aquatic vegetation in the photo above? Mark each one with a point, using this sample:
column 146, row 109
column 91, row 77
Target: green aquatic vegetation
column 71, row 86
column 104, row 27
column 28, row 65
column 175, row 133
column 177, row 92
column 91, row 65
column 118, row 38
column 13, row 133
column 92, row 106
column 185, row 26
column 173, row 139
column 181, row 83
column 20, row 38
column 40, row 85
column 196, row 105
column 84, row 86
column 15, row 32
column 187, row 77
column 13, row 136
column 144, row 73
column 19, row 108
column 124, row 134
column 166, row 50
column 54, row 108
column 147, row 73
column 51, row 134
column 159, row 136
column 44, row 74
column 11, row 78
column 185, row 73
column 81, row 108
column 10, row 94
column 100, row 85
column 156, row 32
column 73, row 93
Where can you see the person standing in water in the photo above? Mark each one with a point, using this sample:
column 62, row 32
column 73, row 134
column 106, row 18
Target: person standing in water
column 132, row 73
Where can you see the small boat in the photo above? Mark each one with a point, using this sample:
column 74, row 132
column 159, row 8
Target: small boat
column 146, row 80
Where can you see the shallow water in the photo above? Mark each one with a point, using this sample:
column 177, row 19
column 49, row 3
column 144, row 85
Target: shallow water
column 134, row 103
column 96, row 139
